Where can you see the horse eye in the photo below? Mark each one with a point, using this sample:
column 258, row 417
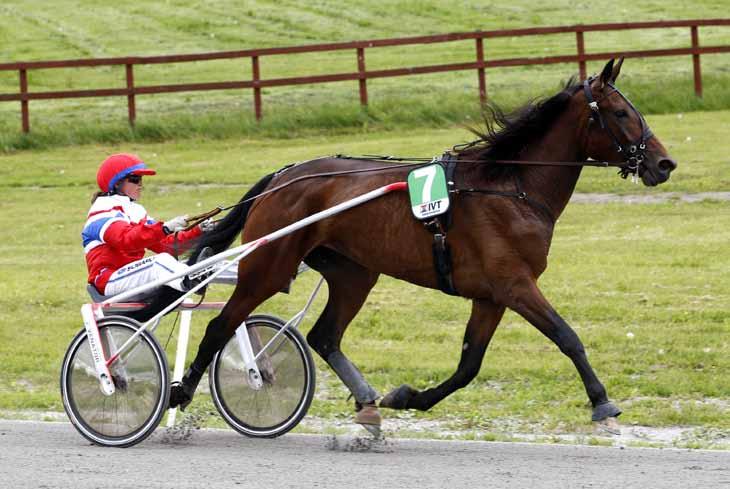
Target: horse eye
column 621, row 113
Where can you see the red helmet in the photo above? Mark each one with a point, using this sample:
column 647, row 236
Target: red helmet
column 119, row 166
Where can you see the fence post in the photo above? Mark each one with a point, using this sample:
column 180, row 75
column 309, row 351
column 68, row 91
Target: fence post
column 363, row 80
column 480, row 70
column 256, row 87
column 131, row 107
column 24, row 102
column 696, row 61
column 581, row 52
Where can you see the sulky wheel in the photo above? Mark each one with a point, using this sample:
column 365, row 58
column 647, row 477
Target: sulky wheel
column 140, row 379
column 287, row 371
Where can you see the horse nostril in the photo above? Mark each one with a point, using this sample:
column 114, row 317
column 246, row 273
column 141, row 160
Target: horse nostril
column 667, row 165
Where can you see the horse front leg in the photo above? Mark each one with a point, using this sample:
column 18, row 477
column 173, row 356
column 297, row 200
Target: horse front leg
column 529, row 302
column 485, row 316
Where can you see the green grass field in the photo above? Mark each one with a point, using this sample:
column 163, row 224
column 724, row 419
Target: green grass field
column 692, row 139
column 644, row 285
column 31, row 31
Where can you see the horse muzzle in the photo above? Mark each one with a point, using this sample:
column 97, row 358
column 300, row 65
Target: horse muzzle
column 659, row 172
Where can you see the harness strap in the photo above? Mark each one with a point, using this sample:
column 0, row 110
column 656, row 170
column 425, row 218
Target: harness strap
column 438, row 226
column 443, row 264
column 520, row 195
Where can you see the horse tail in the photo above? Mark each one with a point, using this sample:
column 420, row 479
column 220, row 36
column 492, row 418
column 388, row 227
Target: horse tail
column 230, row 226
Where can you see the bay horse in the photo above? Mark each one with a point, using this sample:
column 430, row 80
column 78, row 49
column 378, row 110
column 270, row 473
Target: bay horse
column 503, row 217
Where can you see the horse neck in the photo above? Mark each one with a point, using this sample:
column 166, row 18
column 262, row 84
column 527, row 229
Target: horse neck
column 553, row 185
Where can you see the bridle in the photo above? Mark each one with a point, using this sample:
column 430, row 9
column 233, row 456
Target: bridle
column 634, row 153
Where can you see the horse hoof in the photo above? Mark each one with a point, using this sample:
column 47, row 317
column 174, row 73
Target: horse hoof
column 369, row 418
column 373, row 430
column 399, row 398
column 609, row 426
column 605, row 410
column 368, row 414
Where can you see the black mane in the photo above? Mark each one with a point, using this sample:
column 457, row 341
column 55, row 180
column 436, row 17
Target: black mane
column 506, row 136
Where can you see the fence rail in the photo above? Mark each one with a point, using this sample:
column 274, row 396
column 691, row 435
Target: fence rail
column 24, row 96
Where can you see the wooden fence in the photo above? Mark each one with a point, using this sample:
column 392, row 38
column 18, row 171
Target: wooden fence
column 362, row 75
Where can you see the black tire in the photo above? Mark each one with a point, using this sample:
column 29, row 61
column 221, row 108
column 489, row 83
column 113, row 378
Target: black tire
column 141, row 382
column 288, row 373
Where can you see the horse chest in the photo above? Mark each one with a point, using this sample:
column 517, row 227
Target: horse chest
column 503, row 240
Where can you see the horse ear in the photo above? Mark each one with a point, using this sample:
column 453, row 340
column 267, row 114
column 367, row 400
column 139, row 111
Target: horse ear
column 607, row 73
column 616, row 69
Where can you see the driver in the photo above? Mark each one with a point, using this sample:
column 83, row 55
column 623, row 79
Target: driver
column 118, row 231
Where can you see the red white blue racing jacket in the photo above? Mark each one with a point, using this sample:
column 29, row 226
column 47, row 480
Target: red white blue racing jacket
column 117, row 232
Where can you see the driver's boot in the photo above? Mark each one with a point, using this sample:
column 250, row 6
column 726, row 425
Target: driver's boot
column 190, row 282
column 181, row 393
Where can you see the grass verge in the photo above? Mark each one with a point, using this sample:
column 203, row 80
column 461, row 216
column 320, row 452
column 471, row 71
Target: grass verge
column 328, row 111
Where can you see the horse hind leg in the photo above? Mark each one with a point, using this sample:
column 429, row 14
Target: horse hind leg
column 484, row 319
column 349, row 285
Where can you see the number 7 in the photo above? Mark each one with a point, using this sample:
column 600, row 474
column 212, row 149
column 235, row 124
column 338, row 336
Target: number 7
column 430, row 173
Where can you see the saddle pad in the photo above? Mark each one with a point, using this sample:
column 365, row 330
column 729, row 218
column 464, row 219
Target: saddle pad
column 428, row 192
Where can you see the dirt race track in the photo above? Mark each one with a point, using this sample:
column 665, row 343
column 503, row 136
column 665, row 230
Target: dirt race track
column 54, row 455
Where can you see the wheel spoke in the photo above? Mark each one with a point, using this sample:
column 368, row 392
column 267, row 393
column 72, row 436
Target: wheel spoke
column 288, row 373
column 140, row 377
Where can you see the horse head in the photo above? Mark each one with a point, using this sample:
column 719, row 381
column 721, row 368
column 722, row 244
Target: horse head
column 618, row 133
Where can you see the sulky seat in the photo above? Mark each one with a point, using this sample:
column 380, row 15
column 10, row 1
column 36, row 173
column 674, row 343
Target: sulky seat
column 97, row 297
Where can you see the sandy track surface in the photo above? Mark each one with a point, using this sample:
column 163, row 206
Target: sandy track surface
column 54, row 455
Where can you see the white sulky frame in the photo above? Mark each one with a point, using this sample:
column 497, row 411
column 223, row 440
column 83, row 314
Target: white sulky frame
column 90, row 312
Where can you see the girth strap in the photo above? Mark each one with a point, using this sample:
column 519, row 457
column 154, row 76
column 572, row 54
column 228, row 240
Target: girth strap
column 438, row 227
column 442, row 263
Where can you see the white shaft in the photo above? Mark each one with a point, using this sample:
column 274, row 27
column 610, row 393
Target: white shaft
column 242, row 251
column 266, row 239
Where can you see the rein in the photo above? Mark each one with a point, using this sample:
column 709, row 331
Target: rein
column 317, row 175
column 415, row 162
column 600, row 164
column 635, row 154
column 195, row 220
